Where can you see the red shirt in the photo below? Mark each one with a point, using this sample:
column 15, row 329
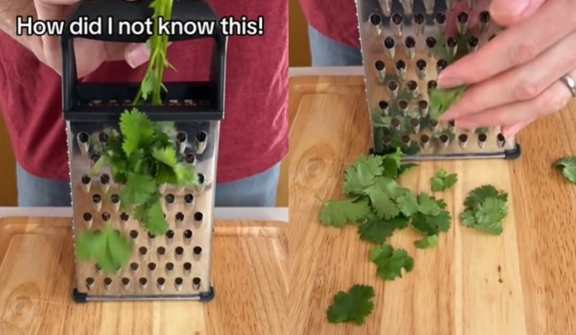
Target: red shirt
column 254, row 132
column 335, row 19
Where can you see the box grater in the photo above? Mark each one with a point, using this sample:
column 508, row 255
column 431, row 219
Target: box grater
column 177, row 265
column 405, row 44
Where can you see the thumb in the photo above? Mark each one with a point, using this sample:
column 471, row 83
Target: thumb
column 510, row 12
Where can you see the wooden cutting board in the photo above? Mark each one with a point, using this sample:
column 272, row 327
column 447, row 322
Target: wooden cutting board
column 522, row 282
column 36, row 271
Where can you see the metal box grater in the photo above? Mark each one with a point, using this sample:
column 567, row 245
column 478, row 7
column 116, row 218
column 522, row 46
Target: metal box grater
column 175, row 266
column 405, row 44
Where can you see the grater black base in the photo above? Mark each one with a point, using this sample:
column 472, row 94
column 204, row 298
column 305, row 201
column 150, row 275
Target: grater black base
column 81, row 297
column 507, row 154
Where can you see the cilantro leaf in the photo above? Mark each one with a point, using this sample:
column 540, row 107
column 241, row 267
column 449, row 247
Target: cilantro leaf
column 166, row 155
column 426, row 242
column 362, row 173
column 391, row 163
column 136, row 129
column 390, row 262
column 408, row 204
column 138, row 189
column 567, row 166
column 428, row 205
column 152, row 218
column 442, row 99
column 109, row 249
column 431, row 224
column 352, row 306
column 382, row 194
column 376, row 230
column 404, row 168
column 338, row 213
column 442, row 181
column 485, row 210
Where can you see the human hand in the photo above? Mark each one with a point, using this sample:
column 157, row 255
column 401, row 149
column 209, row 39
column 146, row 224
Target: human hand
column 90, row 54
column 516, row 77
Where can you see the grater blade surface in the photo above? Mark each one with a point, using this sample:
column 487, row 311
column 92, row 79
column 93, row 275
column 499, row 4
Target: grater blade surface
column 405, row 45
column 162, row 267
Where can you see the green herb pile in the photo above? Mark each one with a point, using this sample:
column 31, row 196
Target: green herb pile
column 378, row 206
column 142, row 156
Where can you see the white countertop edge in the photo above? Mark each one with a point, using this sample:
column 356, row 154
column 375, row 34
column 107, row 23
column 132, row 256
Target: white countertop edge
column 326, row 71
column 220, row 213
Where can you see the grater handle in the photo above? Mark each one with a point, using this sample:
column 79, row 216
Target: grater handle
column 112, row 12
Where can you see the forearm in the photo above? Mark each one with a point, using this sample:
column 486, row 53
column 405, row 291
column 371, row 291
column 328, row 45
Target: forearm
column 9, row 10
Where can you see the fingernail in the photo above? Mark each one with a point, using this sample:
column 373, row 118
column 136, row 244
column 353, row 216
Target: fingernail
column 505, row 8
column 137, row 54
column 448, row 81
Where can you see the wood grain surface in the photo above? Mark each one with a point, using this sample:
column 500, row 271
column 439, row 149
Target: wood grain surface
column 250, row 270
column 522, row 282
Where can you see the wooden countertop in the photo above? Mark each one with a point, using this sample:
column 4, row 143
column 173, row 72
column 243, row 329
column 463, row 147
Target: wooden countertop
column 522, row 282
column 249, row 272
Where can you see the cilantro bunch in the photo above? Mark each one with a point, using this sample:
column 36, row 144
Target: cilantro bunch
column 485, row 209
column 143, row 156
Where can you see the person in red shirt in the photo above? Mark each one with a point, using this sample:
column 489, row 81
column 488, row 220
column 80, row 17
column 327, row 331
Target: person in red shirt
column 254, row 133
column 526, row 71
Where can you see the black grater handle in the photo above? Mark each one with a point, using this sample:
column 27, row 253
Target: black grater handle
column 75, row 94
column 116, row 11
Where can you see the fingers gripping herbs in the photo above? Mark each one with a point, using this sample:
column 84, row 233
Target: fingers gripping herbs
column 141, row 157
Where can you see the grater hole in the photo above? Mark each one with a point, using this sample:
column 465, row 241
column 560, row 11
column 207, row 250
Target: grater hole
column 386, row 139
column 462, row 17
column 375, row 19
column 423, row 104
column 201, row 136
column 143, row 281
column 405, row 139
column 197, row 250
column 124, row 216
column 433, row 122
column 90, row 281
column 161, row 281
column 379, row 65
column 389, row 42
column 97, row 267
column 115, row 198
column 169, row 266
column 105, row 179
column 383, row 104
column 105, row 216
column 419, row 18
column 201, row 178
column 181, row 137
column 83, row 137
column 179, row 251
column 178, row 281
column 103, row 138
column 170, row 233
column 125, row 281
column 412, row 85
column 170, row 198
column 403, row 104
column 187, row 266
column 440, row 18
column 452, row 123
column 133, row 234
column 117, row 232
column 442, row 64
column 425, row 139
column 485, row 16
column 463, row 138
column 397, row 19
column 151, row 236
column 432, row 84
column 198, row 216
column 500, row 137
column 414, row 123
column 196, row 281
column 96, row 198
column 482, row 137
column 395, row 123
column 107, row 281
column 94, row 158
column 151, row 266
column 190, row 158
column 392, row 85
column 87, row 216
column 451, row 42
column 85, row 179
column 143, row 251
column 188, row 198
column 473, row 41
column 187, row 234
column 421, row 64
column 443, row 138
column 410, row 42
column 430, row 42
column 401, row 65
column 179, row 216
column 134, row 266
column 161, row 251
